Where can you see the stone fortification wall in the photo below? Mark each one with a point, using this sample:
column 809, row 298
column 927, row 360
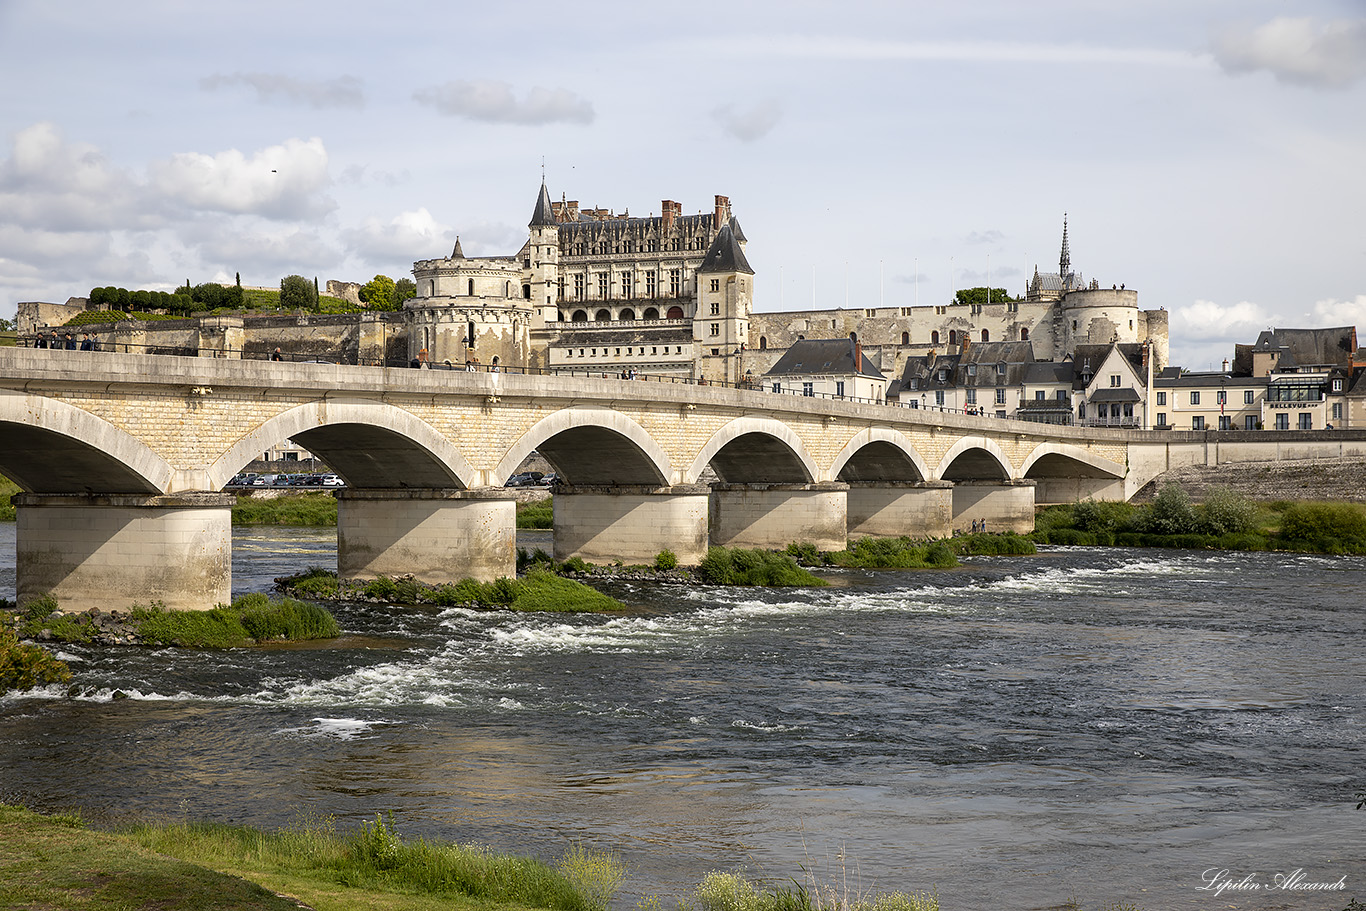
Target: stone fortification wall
column 1297, row 479
column 347, row 291
column 31, row 315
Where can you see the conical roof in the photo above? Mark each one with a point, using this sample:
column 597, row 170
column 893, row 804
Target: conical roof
column 736, row 230
column 725, row 254
column 545, row 212
column 457, row 253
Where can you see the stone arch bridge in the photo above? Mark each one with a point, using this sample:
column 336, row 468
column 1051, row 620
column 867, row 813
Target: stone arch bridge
column 122, row 459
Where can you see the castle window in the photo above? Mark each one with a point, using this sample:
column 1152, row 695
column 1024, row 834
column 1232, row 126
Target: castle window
column 934, row 337
column 469, row 334
column 603, row 292
column 763, row 343
column 953, row 337
column 507, row 290
column 1074, row 325
column 675, row 313
column 715, row 309
column 650, row 284
column 526, row 292
column 715, row 329
column 675, row 282
column 1114, row 380
column 580, row 316
column 471, row 288
column 986, row 336
column 905, row 338
column 603, row 316
column 627, row 314
column 628, row 283
column 716, row 284
column 1024, row 335
column 651, row 313
column 578, row 286
column 431, row 289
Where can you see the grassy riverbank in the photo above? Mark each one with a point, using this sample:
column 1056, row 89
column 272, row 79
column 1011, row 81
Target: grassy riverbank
column 55, row 862
column 539, row 589
column 1224, row 521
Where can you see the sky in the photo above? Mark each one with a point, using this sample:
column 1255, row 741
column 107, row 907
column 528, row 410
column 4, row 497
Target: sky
column 1210, row 155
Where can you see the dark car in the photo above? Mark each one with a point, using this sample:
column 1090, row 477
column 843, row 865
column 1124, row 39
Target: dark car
column 524, row 479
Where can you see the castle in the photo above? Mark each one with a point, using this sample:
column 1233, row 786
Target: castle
column 673, row 294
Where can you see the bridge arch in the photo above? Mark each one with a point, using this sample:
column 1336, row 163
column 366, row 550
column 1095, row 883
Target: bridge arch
column 591, row 446
column 53, row 447
column 736, row 450
column 1052, row 459
column 1064, row 473
column 370, row 444
column 975, row 458
column 879, row 454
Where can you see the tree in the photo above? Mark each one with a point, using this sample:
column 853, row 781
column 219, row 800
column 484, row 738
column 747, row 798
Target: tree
column 378, row 293
column 296, row 293
column 404, row 289
column 979, row 296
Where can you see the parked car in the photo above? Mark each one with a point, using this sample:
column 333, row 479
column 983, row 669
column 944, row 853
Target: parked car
column 331, row 480
column 524, row 479
column 548, row 481
column 264, row 480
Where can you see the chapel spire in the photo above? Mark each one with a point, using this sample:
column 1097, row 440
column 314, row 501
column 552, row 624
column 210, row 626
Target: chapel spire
column 1065, row 260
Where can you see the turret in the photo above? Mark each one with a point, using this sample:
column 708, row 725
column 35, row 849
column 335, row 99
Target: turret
column 541, row 260
column 725, row 292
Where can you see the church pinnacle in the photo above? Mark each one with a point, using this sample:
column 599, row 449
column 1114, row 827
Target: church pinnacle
column 1064, row 261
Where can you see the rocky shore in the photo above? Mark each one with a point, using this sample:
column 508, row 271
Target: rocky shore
column 1300, row 479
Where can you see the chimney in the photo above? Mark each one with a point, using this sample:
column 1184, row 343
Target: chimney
column 1145, row 358
column 722, row 212
column 668, row 211
column 1226, row 365
column 858, row 353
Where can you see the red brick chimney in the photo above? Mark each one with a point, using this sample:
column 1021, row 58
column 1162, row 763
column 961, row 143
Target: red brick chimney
column 670, row 210
column 722, row 212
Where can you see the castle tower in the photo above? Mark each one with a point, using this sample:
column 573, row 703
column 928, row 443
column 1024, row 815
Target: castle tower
column 541, row 260
column 725, row 293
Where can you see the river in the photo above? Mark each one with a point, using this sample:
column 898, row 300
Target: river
column 1097, row 724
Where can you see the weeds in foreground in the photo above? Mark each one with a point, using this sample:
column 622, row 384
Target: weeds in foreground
column 737, row 566
column 732, row 892
column 375, row 857
column 24, row 666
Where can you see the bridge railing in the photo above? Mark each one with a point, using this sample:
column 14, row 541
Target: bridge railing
column 62, row 347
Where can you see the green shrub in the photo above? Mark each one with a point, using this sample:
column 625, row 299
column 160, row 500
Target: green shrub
column 285, row 619
column 1170, row 513
column 1323, row 522
column 7, row 489
column 383, row 588
column 984, row 545
column 1094, row 516
column 806, row 554
column 893, row 553
column 545, row 591
column 220, row 627
column 666, row 560
column 24, row 666
column 736, row 566
column 574, row 565
column 1225, row 512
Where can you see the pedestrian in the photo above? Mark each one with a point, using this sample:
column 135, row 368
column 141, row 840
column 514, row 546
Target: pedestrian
column 71, row 342
column 42, row 341
column 86, row 343
column 277, row 356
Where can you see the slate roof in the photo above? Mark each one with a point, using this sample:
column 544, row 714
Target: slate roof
column 545, row 212
column 1093, row 356
column 1122, row 394
column 1048, row 372
column 735, row 229
column 725, row 255
column 822, row 357
column 1309, row 347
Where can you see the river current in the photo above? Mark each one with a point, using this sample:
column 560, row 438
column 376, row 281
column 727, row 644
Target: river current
column 1097, row 724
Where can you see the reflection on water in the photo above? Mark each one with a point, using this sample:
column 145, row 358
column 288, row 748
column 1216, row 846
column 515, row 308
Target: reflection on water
column 1103, row 724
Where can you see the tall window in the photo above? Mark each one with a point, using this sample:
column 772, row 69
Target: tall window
column 715, row 329
column 716, row 284
column 953, row 337
column 939, row 396
column 650, row 284
column 1000, row 395
column 578, row 286
column 986, row 336
column 1221, row 398
column 1195, row 398
column 972, row 396
column 628, row 284
column 808, row 390
column 934, row 337
column 1198, row 422
column 1225, row 422
column 1162, row 398
column 715, row 308
column 1249, row 396
column 603, row 286
column 905, row 338
column 839, row 388
column 1282, row 421
column 1114, row 380
column 1306, row 420
column 675, row 282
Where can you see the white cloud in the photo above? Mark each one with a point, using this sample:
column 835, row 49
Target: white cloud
column 827, row 47
column 749, row 125
column 1297, row 51
column 341, row 92
column 1334, row 312
column 491, row 101
column 1206, row 321
column 283, row 181
column 407, row 236
column 50, row 184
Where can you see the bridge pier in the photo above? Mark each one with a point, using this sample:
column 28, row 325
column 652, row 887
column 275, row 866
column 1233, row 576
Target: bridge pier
column 888, row 509
column 434, row 535
column 631, row 523
column 114, row 550
column 771, row 516
column 1002, row 505
column 1052, row 491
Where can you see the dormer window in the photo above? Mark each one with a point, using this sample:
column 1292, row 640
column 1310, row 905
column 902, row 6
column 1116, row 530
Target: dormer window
column 972, row 369
column 943, row 376
column 1001, row 369
column 1337, row 385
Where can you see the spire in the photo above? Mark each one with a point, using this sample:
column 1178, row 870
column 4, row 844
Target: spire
column 545, row 212
column 457, row 253
column 1064, row 261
